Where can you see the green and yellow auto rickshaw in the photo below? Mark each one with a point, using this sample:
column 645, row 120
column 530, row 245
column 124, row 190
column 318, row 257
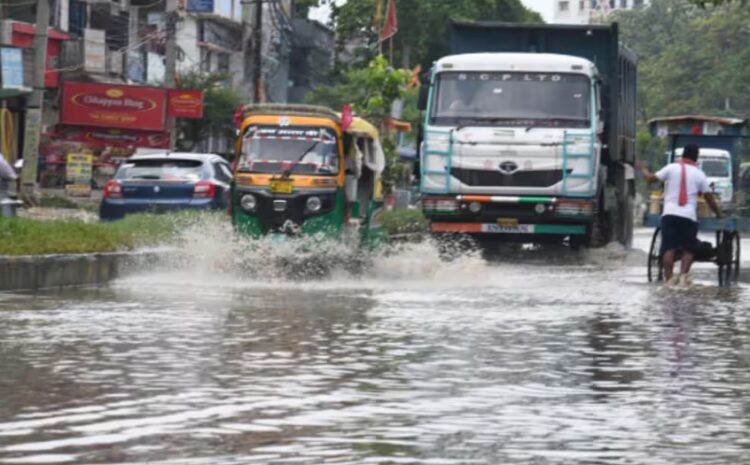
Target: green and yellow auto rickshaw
column 299, row 172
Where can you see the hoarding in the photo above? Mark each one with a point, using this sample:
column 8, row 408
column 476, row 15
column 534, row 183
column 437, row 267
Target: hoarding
column 11, row 60
column 100, row 137
column 200, row 6
column 185, row 103
column 113, row 106
column 78, row 174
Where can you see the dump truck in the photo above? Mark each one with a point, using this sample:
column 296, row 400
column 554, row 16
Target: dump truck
column 529, row 135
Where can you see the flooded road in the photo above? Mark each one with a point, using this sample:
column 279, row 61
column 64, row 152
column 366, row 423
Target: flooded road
column 416, row 362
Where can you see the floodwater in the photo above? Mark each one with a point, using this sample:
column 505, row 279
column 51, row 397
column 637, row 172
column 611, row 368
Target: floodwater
column 575, row 361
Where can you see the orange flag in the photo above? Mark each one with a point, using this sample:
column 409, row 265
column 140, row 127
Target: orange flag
column 378, row 19
column 390, row 28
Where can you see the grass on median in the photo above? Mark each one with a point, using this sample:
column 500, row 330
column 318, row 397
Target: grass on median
column 20, row 236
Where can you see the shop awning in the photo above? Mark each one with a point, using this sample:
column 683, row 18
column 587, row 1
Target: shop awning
column 12, row 93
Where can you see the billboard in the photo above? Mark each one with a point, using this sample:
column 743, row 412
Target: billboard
column 200, row 6
column 11, row 61
column 100, row 137
column 185, row 103
column 113, row 106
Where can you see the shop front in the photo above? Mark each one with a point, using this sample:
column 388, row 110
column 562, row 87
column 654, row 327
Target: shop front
column 109, row 122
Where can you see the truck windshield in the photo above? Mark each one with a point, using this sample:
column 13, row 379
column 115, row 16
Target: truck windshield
column 513, row 99
column 715, row 168
column 301, row 150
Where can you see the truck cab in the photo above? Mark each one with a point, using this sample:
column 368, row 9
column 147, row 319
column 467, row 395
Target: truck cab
column 511, row 144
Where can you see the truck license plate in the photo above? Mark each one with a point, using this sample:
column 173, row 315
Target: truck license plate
column 281, row 186
column 517, row 229
column 507, row 221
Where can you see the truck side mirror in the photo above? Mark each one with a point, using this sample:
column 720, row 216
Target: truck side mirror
column 424, row 93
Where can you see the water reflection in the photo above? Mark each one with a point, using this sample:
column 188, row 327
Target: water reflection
column 527, row 364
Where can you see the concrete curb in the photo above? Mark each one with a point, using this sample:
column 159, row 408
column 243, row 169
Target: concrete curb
column 30, row 272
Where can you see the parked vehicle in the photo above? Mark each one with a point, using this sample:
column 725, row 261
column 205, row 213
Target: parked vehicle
column 166, row 182
column 529, row 134
column 717, row 164
column 300, row 172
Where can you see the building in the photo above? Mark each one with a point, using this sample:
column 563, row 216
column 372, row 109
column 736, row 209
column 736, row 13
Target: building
column 311, row 58
column 590, row 11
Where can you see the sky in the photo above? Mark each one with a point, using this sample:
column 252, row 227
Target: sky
column 545, row 7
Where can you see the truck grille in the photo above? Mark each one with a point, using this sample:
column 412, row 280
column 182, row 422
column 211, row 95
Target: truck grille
column 490, row 178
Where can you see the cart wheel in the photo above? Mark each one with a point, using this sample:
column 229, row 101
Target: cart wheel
column 655, row 265
column 737, row 257
column 728, row 257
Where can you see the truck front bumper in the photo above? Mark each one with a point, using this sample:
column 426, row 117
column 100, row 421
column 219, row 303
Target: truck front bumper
column 509, row 215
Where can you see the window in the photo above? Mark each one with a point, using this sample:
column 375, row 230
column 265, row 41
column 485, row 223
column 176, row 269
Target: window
column 222, row 172
column 624, row 4
column 222, row 64
column 581, row 5
column 206, row 60
column 563, row 6
column 637, row 3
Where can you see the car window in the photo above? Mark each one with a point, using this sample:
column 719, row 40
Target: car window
column 222, row 172
column 166, row 169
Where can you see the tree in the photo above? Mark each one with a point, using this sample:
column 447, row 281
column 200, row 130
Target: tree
column 219, row 102
column 423, row 31
column 371, row 91
column 691, row 60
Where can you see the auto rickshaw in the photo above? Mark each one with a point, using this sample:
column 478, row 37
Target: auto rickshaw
column 299, row 172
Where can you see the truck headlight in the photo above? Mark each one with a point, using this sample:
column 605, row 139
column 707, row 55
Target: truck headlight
column 248, row 202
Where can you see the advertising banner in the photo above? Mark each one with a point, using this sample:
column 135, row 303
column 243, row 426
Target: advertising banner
column 100, row 137
column 78, row 174
column 185, row 103
column 113, row 106
column 11, row 60
column 200, row 6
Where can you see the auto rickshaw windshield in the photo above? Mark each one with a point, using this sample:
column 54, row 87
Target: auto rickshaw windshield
column 272, row 149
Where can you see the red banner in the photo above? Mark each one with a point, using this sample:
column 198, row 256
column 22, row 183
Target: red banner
column 185, row 103
column 113, row 106
column 101, row 137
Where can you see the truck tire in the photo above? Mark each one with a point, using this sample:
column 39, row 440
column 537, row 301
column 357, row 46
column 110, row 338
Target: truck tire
column 625, row 219
column 602, row 228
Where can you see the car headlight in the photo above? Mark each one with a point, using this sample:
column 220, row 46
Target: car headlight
column 314, row 204
column 248, row 202
column 474, row 207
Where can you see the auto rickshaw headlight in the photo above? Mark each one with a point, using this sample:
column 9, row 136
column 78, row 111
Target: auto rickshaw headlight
column 248, row 202
column 314, row 204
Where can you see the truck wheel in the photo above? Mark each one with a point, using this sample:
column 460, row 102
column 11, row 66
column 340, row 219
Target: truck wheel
column 624, row 220
column 601, row 229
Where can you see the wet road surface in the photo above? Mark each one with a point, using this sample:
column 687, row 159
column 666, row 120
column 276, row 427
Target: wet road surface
column 417, row 362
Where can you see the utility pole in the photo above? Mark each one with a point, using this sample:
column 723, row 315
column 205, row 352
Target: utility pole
column 170, row 72
column 34, row 104
column 258, row 50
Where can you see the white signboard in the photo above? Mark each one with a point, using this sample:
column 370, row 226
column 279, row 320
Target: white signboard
column 94, row 51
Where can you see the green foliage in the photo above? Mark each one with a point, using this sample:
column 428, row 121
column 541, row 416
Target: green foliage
column 370, row 90
column 423, row 24
column 403, row 221
column 219, row 102
column 691, row 60
column 20, row 236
